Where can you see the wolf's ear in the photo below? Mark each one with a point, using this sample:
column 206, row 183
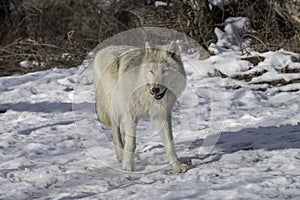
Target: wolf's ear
column 148, row 48
column 147, row 45
column 172, row 47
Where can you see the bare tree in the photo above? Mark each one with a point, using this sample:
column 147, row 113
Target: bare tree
column 4, row 16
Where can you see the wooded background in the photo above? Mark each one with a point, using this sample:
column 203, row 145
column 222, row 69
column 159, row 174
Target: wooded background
column 45, row 30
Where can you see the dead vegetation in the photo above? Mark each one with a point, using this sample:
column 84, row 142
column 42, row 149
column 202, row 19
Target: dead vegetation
column 254, row 60
column 50, row 34
column 287, row 69
column 37, row 55
column 277, row 82
column 276, row 23
column 248, row 77
column 60, row 33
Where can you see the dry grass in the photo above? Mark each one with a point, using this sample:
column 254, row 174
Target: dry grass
column 274, row 27
column 41, row 55
column 43, row 31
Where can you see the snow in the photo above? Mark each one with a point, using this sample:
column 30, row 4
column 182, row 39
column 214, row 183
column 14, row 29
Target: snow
column 27, row 64
column 240, row 142
column 218, row 3
column 232, row 36
column 160, row 3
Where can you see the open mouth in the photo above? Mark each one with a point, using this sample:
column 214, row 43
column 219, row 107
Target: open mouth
column 159, row 96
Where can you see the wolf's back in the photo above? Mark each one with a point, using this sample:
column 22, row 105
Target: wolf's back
column 105, row 72
column 106, row 66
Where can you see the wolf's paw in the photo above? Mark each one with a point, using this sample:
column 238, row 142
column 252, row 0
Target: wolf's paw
column 119, row 156
column 179, row 167
column 128, row 166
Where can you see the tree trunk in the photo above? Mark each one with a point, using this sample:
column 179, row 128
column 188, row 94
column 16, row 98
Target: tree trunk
column 288, row 9
column 191, row 17
column 4, row 17
column 4, row 10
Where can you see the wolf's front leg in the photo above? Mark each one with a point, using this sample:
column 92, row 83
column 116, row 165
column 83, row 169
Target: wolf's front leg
column 167, row 137
column 129, row 146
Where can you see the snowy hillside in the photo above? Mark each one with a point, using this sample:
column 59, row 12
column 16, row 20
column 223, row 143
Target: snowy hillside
column 236, row 125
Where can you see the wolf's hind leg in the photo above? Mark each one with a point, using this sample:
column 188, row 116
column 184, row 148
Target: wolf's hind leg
column 117, row 138
column 103, row 117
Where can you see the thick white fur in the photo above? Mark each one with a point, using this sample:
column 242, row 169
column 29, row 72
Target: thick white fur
column 123, row 77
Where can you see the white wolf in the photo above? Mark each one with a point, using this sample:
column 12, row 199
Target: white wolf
column 133, row 83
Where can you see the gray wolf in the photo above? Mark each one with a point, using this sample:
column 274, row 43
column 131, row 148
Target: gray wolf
column 133, row 83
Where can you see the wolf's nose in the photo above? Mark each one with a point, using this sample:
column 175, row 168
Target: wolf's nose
column 155, row 90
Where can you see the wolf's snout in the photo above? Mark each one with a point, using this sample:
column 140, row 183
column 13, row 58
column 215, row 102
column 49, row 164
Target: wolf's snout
column 158, row 92
column 155, row 90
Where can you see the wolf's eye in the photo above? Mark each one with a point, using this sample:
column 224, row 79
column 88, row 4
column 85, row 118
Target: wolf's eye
column 152, row 72
column 165, row 70
column 173, row 54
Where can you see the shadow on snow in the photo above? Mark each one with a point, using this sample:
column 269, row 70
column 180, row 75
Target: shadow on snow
column 262, row 138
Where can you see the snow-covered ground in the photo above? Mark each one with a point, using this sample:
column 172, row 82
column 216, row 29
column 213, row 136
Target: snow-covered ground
column 240, row 136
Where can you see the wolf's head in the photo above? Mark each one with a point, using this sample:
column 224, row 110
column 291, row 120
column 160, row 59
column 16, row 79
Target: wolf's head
column 163, row 71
